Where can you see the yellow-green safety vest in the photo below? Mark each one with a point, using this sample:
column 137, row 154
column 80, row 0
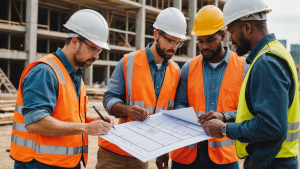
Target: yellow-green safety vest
column 290, row 145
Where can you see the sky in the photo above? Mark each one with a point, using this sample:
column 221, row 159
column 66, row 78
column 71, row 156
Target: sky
column 284, row 20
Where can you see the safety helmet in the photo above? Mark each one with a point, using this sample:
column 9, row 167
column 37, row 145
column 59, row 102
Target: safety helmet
column 236, row 9
column 89, row 24
column 208, row 21
column 172, row 22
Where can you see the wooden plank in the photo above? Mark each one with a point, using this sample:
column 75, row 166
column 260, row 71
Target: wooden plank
column 8, row 105
column 7, row 101
column 6, row 109
column 5, row 116
column 6, row 122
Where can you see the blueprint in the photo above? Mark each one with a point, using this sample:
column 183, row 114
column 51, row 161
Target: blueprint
column 157, row 135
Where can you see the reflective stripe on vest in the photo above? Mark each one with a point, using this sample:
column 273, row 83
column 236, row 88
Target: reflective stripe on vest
column 218, row 144
column 18, row 109
column 57, row 150
column 151, row 110
column 58, row 71
column 192, row 146
column 290, row 145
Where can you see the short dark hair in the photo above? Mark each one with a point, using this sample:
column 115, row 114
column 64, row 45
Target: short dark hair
column 220, row 32
column 259, row 24
column 68, row 40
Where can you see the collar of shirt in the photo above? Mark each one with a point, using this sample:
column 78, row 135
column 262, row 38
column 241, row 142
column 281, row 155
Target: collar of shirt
column 259, row 46
column 150, row 58
column 63, row 58
column 225, row 58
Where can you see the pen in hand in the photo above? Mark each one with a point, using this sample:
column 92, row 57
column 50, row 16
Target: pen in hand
column 101, row 116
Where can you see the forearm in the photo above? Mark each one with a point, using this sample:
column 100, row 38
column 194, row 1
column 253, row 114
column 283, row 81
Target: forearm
column 52, row 127
column 119, row 109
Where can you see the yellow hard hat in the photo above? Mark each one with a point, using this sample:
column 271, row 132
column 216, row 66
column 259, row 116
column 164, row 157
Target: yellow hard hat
column 208, row 21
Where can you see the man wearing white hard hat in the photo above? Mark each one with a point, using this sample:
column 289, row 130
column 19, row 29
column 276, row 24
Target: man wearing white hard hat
column 267, row 119
column 51, row 127
column 143, row 83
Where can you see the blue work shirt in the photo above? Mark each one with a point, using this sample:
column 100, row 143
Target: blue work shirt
column 116, row 91
column 212, row 81
column 269, row 93
column 40, row 89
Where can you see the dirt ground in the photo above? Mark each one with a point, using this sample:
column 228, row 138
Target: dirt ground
column 5, row 134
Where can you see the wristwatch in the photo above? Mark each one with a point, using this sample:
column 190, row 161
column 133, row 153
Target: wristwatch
column 226, row 117
column 224, row 129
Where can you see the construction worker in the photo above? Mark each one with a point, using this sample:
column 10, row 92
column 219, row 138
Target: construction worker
column 267, row 119
column 51, row 127
column 210, row 83
column 143, row 83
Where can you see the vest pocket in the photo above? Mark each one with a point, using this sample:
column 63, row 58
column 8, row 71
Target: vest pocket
column 232, row 96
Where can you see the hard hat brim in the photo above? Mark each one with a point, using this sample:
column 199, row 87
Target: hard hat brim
column 177, row 35
column 238, row 17
column 204, row 33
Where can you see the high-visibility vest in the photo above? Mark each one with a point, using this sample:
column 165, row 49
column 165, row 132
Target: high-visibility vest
column 290, row 145
column 140, row 90
column 221, row 151
column 55, row 151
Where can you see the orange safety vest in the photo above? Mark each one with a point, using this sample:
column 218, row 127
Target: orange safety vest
column 55, row 151
column 221, row 151
column 140, row 89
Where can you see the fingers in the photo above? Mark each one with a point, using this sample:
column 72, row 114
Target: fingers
column 110, row 119
column 105, row 124
column 137, row 113
column 202, row 118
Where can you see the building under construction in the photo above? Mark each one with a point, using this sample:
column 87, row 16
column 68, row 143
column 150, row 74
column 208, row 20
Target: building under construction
column 30, row 29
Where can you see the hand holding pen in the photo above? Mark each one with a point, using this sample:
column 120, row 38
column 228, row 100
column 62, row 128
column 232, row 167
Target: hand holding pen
column 101, row 116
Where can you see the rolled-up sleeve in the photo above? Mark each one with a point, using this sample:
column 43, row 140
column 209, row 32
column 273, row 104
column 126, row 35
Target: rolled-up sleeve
column 116, row 91
column 181, row 98
column 40, row 91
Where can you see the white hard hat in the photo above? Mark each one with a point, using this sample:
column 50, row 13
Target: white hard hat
column 91, row 25
column 171, row 21
column 241, row 9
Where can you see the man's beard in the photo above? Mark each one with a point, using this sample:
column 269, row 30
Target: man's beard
column 245, row 45
column 82, row 64
column 214, row 53
column 162, row 53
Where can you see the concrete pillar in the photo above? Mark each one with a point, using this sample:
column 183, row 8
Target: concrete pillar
column 74, row 8
column 31, row 28
column 177, row 4
column 140, row 26
column 216, row 3
column 88, row 76
column 191, row 46
column 107, row 74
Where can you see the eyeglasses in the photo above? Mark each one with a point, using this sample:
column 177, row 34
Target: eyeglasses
column 93, row 49
column 171, row 42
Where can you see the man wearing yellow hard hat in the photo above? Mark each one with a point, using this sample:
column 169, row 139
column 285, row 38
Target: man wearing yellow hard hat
column 210, row 83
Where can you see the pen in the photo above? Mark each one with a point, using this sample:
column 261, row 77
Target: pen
column 101, row 116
